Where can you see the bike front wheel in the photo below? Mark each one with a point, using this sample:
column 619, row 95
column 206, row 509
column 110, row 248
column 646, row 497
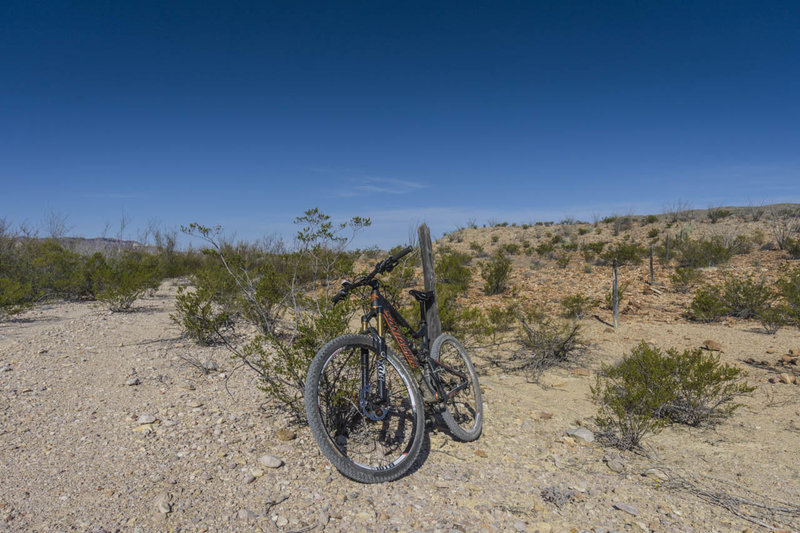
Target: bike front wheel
column 369, row 435
column 463, row 405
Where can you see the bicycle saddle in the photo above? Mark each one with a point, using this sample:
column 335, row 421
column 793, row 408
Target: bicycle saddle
column 422, row 296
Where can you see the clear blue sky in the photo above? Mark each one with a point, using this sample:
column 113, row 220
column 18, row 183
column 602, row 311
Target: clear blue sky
column 246, row 113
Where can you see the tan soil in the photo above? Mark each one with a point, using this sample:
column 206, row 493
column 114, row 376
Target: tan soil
column 74, row 456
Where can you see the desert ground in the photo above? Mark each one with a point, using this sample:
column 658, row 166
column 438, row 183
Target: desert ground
column 108, row 424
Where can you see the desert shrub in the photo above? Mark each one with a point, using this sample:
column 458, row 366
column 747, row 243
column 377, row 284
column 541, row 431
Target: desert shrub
column 649, row 219
column 773, row 318
column 583, row 231
column 569, row 246
column 745, row 298
column 495, row 274
column 555, row 239
column 563, row 260
column 685, row 278
column 543, row 344
column 653, row 233
column 451, row 268
column 208, row 309
column 511, row 248
column 475, row 247
column 495, row 238
column 715, row 215
column 286, row 296
column 621, row 224
column 789, row 291
column 649, row 389
column 577, row 306
column 119, row 282
column 545, row 248
column 15, row 296
column 625, row 254
column 707, row 305
column 702, row 253
column 792, row 247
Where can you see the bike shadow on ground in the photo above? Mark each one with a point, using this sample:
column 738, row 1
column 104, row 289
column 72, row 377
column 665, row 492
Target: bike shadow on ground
column 439, row 427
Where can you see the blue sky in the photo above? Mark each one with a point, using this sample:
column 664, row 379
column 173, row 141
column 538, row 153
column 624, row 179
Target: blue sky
column 245, row 114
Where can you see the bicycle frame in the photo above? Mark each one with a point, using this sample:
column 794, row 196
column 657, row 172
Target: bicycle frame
column 389, row 318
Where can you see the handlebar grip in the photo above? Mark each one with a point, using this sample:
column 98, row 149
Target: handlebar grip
column 339, row 296
column 401, row 253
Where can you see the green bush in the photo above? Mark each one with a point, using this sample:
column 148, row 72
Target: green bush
column 649, row 219
column 685, row 278
column 789, row 291
column 746, row 298
column 15, row 296
column 649, row 389
column 792, row 247
column 707, row 305
column 715, row 215
column 653, row 233
column 119, row 282
column 625, row 254
column 702, row 253
column 511, row 248
column 577, row 306
column 495, row 274
column 475, row 247
column 622, row 290
column 545, row 248
column 452, row 269
column 583, row 231
column 563, row 260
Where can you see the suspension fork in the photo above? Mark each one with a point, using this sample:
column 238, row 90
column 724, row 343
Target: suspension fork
column 366, row 401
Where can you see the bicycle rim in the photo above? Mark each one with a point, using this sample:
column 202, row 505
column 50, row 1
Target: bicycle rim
column 463, row 412
column 371, row 445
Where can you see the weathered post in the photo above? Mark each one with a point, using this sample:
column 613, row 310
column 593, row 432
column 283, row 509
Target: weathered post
column 652, row 274
column 666, row 253
column 429, row 275
column 615, row 297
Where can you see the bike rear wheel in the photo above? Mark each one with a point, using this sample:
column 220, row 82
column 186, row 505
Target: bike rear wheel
column 463, row 412
column 367, row 438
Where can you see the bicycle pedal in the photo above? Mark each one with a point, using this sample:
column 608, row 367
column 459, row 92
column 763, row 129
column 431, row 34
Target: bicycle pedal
column 427, row 396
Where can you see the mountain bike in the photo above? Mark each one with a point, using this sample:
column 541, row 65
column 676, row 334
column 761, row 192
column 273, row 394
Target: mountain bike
column 363, row 402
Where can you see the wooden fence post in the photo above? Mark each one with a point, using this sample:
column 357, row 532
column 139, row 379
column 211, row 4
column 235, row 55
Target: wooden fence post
column 429, row 275
column 652, row 274
column 666, row 258
column 615, row 297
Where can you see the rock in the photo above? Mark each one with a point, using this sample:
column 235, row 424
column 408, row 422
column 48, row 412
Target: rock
column 481, row 453
column 133, row 382
column 209, row 365
column 257, row 472
column 657, row 473
column 246, row 515
column 630, row 509
column 270, row 461
column 281, row 521
column 794, row 352
column 581, row 433
column 614, row 462
column 285, row 434
column 545, row 416
column 787, row 378
column 788, row 359
column 5, row 368
column 711, row 346
column 580, row 372
column 145, row 419
column 249, row 478
column 774, row 380
column 519, row 525
column 194, row 404
column 163, row 504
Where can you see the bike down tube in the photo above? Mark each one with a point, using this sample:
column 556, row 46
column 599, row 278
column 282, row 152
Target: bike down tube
column 381, row 361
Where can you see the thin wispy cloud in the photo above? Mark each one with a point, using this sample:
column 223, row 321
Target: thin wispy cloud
column 378, row 185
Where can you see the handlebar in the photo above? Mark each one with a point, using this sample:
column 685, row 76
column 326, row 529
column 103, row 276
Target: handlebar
column 387, row 265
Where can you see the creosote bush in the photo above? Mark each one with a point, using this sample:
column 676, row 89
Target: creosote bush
column 685, row 278
column 577, row 306
column 495, row 274
column 625, row 254
column 650, row 389
column 741, row 298
column 285, row 294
